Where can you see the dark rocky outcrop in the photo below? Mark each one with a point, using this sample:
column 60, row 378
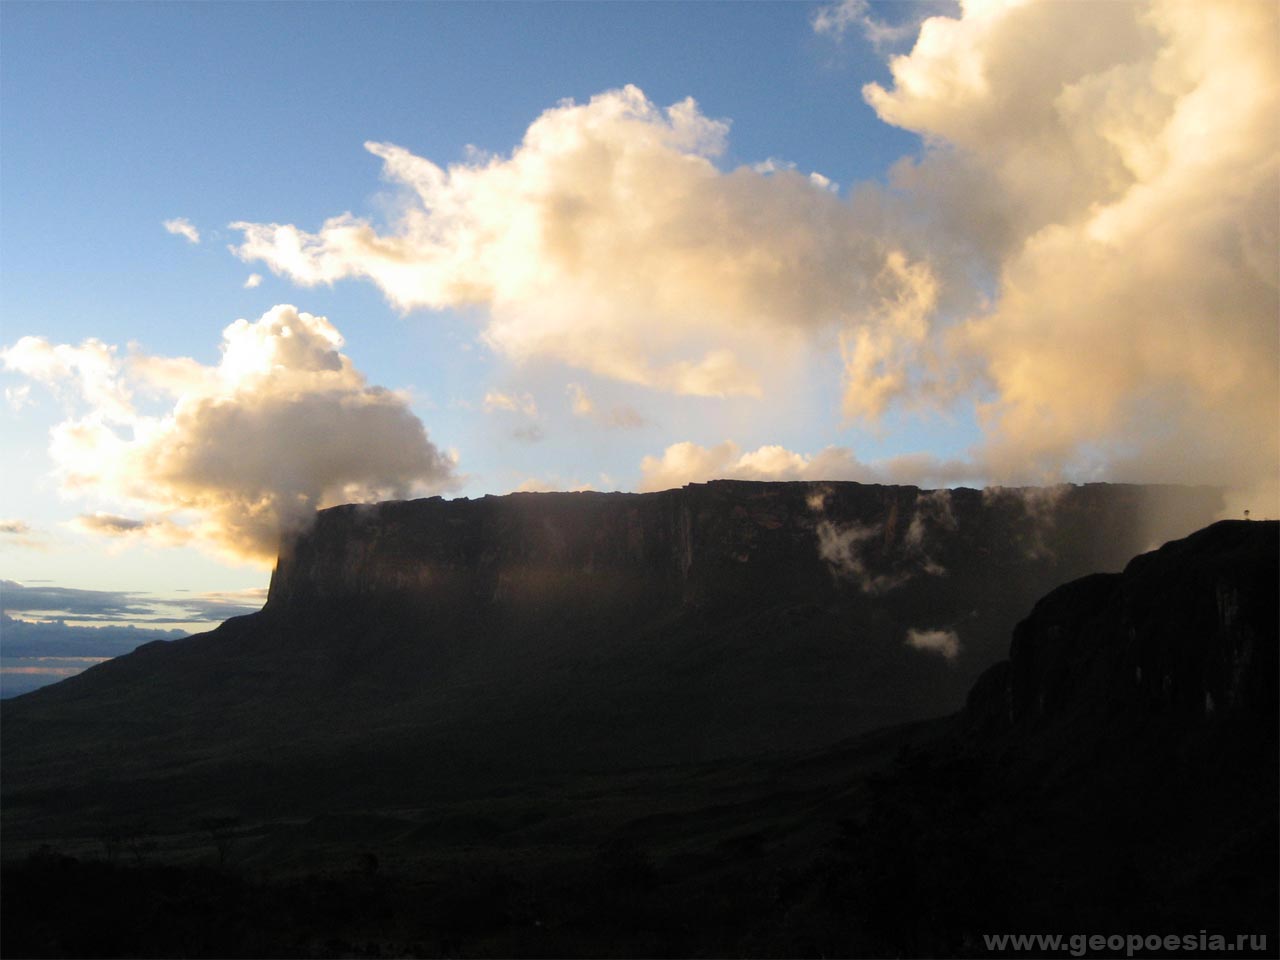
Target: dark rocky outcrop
column 1185, row 637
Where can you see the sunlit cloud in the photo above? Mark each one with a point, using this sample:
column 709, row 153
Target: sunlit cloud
column 182, row 227
column 1083, row 255
column 610, row 241
column 249, row 448
column 252, row 281
column 155, row 529
column 1118, row 175
column 687, row 462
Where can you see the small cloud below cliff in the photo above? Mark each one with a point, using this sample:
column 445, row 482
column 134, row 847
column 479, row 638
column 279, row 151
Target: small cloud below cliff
column 945, row 643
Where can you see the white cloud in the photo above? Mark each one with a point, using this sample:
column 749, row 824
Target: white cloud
column 252, row 281
column 282, row 425
column 18, row 397
column 511, row 403
column 688, row 462
column 619, row 417
column 182, row 227
column 842, row 546
column 835, row 19
column 1084, row 253
column 551, row 485
column 945, row 643
column 1118, row 173
column 610, row 241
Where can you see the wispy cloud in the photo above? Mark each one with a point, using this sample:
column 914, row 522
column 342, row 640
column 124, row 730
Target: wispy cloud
column 836, row 19
column 620, row 416
column 945, row 643
column 252, row 281
column 182, row 227
column 511, row 403
column 18, row 397
column 71, row 602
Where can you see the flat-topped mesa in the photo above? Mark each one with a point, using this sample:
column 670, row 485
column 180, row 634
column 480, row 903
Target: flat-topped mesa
column 715, row 540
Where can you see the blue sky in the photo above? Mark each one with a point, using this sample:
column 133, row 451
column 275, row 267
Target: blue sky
column 703, row 307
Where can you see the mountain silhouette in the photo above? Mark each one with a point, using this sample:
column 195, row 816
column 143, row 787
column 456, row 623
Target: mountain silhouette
column 690, row 723
column 413, row 647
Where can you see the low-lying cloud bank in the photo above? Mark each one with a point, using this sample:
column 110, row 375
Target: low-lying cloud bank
column 243, row 451
column 46, row 603
column 1084, row 252
column 41, row 653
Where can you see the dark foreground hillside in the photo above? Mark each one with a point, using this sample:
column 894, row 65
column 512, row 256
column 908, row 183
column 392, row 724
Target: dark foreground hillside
column 1117, row 775
column 431, row 651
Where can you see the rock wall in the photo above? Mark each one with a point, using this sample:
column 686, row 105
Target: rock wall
column 1187, row 634
column 709, row 542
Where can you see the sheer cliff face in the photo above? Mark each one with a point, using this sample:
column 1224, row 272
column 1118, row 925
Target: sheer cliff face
column 710, row 542
column 445, row 642
column 1185, row 637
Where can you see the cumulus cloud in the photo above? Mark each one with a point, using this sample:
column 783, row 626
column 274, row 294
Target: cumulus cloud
column 1118, row 175
column 1084, row 253
column 945, row 643
column 610, row 241
column 182, row 227
column 248, row 449
column 252, row 281
column 688, row 462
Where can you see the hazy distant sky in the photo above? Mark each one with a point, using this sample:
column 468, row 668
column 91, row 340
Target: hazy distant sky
column 250, row 252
